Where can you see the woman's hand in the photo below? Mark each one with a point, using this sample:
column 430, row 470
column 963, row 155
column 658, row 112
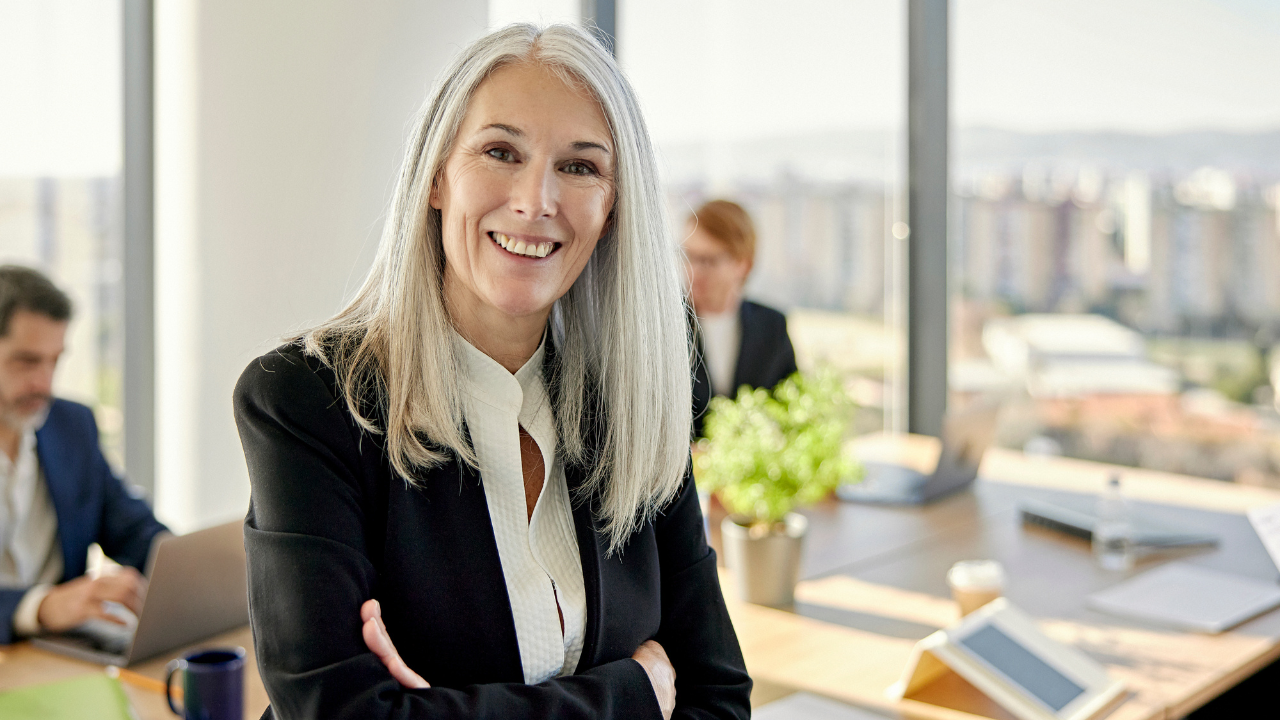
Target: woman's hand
column 379, row 642
column 654, row 660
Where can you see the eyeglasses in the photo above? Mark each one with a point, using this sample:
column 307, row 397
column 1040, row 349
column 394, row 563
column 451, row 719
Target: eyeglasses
column 708, row 262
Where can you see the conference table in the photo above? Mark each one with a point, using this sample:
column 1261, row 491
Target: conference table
column 874, row 584
column 22, row 665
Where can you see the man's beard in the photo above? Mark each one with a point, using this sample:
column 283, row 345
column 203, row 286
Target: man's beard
column 11, row 412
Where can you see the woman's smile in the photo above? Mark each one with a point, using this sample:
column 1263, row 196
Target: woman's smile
column 523, row 246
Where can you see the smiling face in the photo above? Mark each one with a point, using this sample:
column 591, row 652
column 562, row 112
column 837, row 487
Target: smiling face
column 524, row 196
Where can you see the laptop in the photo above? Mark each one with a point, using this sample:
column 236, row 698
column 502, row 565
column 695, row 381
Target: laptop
column 1076, row 517
column 1188, row 596
column 966, row 435
column 196, row 587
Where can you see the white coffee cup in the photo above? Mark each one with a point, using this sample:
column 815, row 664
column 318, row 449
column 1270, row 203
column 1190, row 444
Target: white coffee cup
column 975, row 583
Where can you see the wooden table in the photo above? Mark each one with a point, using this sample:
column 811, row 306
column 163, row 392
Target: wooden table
column 875, row 585
column 22, row 665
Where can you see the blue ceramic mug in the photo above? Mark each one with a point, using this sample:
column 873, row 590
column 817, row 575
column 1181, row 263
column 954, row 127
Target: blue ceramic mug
column 212, row 684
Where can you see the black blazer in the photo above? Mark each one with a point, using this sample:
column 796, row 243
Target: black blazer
column 330, row 525
column 765, row 356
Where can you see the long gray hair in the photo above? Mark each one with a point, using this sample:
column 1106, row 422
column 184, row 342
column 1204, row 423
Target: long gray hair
column 619, row 332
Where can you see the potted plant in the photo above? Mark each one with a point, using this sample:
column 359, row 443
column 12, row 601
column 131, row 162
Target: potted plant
column 765, row 454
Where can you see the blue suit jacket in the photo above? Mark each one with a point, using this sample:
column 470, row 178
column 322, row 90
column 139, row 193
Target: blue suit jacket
column 91, row 503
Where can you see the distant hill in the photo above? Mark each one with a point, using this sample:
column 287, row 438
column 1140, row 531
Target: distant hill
column 873, row 155
column 1253, row 154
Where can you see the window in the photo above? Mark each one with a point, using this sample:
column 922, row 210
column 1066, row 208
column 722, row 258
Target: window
column 60, row 160
column 1115, row 249
column 796, row 113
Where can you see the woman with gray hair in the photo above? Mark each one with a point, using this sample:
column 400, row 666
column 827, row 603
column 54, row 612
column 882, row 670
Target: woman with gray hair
column 471, row 494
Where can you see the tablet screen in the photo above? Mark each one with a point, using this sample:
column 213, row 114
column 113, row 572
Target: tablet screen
column 1023, row 667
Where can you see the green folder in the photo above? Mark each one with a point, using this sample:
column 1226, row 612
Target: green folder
column 88, row 697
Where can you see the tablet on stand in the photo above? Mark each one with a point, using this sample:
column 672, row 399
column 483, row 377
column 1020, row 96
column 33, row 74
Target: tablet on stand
column 1001, row 653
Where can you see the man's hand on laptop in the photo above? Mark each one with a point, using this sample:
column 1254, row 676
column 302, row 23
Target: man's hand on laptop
column 84, row 598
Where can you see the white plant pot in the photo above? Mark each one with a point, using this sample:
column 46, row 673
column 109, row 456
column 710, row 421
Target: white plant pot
column 765, row 568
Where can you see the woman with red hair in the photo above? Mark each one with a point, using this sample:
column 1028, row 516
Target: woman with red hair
column 739, row 342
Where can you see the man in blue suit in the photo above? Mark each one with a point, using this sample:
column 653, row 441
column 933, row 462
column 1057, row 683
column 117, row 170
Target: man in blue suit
column 57, row 493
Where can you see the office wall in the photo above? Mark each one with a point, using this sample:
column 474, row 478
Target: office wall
column 279, row 128
column 544, row 12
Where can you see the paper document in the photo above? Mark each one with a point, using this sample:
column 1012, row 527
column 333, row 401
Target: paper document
column 1188, row 597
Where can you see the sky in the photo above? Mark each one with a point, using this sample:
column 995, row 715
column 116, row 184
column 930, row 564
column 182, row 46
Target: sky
column 746, row 69
column 738, row 69
column 1129, row 65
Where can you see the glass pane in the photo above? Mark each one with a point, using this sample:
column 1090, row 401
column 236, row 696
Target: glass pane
column 1115, row 248
column 60, row 158
column 796, row 113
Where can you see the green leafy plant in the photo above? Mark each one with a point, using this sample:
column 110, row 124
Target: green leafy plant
column 766, row 453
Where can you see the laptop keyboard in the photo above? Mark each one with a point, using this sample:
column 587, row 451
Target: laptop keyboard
column 102, row 636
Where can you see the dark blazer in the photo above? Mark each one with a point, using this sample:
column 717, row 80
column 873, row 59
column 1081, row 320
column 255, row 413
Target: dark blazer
column 330, row 526
column 765, row 356
column 91, row 503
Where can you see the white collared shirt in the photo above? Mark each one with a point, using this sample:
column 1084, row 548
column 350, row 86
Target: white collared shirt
column 30, row 555
column 539, row 554
column 721, row 342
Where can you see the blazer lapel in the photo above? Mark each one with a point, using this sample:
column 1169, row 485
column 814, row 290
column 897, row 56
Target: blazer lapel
column 55, row 453
column 748, row 347
column 701, row 378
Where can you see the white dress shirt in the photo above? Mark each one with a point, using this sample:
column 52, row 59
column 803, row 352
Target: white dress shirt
column 30, row 555
column 721, row 341
column 539, row 554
